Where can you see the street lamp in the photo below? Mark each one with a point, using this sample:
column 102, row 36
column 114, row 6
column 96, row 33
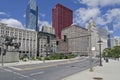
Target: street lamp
column 100, row 43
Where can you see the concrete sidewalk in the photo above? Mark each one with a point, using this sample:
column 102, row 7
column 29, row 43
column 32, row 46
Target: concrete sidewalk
column 109, row 71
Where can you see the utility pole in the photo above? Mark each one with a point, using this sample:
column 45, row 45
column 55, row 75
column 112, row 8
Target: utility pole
column 37, row 30
column 2, row 62
column 90, row 52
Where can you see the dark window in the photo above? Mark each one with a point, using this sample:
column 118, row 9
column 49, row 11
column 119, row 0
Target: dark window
column 65, row 38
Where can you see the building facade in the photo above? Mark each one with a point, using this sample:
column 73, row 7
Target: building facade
column 61, row 18
column 47, row 43
column 75, row 39
column 31, row 15
column 116, row 41
column 97, row 34
column 27, row 38
column 48, row 29
column 110, row 36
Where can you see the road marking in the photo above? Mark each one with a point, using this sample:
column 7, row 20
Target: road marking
column 33, row 74
column 15, row 68
column 7, row 70
column 40, row 67
column 21, row 75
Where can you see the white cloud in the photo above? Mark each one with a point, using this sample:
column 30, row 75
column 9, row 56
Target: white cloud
column 82, row 15
column 43, row 23
column 42, row 15
column 113, row 16
column 3, row 13
column 24, row 15
column 101, row 3
column 12, row 22
column 100, row 21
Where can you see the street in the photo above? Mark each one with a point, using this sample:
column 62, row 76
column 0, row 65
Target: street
column 45, row 71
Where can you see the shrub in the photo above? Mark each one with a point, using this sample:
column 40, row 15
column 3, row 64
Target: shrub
column 23, row 57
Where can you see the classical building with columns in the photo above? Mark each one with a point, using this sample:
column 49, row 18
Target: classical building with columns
column 27, row 38
column 97, row 34
column 47, row 43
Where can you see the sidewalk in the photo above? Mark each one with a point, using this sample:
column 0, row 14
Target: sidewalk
column 109, row 71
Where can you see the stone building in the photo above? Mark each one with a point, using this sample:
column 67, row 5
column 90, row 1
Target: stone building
column 116, row 41
column 48, row 29
column 27, row 38
column 96, row 34
column 47, row 43
column 75, row 39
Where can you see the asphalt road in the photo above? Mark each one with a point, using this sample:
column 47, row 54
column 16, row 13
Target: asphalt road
column 45, row 71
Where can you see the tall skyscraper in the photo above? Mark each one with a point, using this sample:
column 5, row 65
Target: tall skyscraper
column 61, row 17
column 31, row 15
column 110, row 35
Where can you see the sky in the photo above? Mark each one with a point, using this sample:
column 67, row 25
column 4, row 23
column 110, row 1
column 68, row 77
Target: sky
column 103, row 12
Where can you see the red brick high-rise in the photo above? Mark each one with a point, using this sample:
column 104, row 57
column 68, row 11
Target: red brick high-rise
column 61, row 17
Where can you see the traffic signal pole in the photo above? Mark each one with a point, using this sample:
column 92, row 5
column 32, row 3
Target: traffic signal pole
column 2, row 60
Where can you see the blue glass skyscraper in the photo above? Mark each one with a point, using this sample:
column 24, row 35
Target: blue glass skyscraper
column 110, row 35
column 31, row 15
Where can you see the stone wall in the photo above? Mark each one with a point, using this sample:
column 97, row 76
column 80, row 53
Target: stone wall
column 11, row 56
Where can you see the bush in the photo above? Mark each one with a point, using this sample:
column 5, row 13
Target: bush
column 32, row 58
column 47, row 58
column 56, row 56
column 23, row 57
column 71, row 56
column 39, row 58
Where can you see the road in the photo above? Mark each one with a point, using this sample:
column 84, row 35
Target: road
column 45, row 71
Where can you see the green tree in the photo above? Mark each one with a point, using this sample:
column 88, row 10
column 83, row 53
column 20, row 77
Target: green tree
column 107, row 52
column 115, row 51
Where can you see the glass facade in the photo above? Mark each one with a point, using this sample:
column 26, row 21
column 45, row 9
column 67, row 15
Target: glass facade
column 110, row 35
column 31, row 15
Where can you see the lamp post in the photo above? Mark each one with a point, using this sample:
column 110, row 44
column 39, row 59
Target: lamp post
column 100, row 43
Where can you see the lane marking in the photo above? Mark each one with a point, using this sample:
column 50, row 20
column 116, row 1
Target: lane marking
column 40, row 67
column 21, row 75
column 33, row 74
column 15, row 68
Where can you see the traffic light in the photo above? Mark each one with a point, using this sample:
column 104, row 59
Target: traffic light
column 4, row 52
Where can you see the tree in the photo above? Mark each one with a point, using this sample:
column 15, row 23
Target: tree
column 107, row 52
column 115, row 51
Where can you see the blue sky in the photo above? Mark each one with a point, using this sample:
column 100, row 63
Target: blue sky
column 13, row 12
